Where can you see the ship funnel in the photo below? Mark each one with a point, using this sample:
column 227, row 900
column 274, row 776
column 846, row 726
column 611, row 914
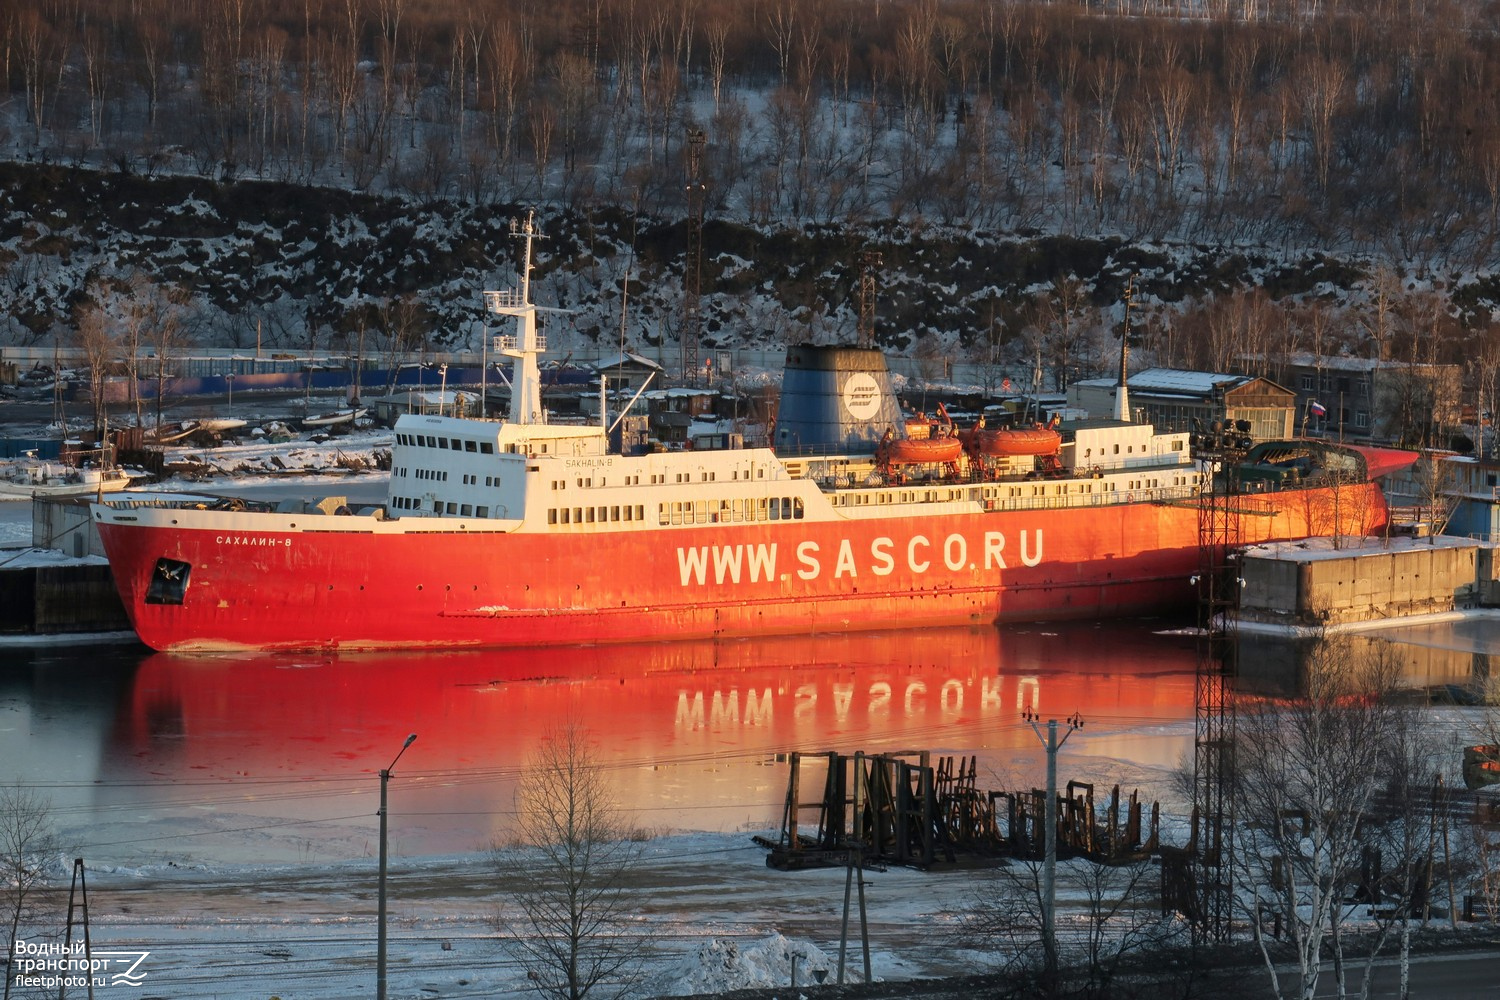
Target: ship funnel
column 835, row 400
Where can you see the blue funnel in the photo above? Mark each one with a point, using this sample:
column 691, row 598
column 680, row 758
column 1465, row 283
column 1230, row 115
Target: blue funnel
column 835, row 401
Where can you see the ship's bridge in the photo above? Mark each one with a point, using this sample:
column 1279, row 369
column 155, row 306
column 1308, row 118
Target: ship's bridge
column 450, row 467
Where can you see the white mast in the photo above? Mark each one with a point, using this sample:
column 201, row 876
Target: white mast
column 526, row 343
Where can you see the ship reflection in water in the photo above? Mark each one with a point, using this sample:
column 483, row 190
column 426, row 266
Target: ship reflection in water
column 690, row 732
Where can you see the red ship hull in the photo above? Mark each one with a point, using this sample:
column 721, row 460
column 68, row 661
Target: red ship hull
column 350, row 588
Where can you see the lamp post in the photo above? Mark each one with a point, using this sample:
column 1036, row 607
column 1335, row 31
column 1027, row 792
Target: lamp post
column 385, row 777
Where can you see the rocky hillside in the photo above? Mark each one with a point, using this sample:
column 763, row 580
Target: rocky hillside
column 318, row 268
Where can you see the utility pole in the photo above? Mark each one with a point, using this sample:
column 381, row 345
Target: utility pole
column 1049, row 864
column 78, row 899
column 854, row 860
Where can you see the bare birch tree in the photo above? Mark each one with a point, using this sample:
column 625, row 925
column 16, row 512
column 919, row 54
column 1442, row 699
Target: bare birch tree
column 97, row 344
column 567, row 874
column 29, row 850
column 1306, row 771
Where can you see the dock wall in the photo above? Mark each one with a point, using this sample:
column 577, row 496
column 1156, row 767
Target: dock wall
column 1366, row 584
column 44, row 600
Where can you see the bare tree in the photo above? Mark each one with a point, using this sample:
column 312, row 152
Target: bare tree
column 1119, row 917
column 160, row 310
column 94, row 339
column 1122, row 914
column 29, row 850
column 1003, row 918
column 568, row 872
column 1307, row 769
column 1484, row 372
column 1436, row 482
column 1399, row 848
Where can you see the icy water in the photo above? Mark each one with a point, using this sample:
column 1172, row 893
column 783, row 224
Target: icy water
column 149, row 757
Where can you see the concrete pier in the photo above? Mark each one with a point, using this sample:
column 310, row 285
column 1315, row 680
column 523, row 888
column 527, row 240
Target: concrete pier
column 1365, row 582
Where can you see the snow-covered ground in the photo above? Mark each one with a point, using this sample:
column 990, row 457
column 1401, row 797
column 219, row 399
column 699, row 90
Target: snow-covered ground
column 711, row 917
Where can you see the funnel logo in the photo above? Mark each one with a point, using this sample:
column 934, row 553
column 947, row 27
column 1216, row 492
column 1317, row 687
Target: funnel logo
column 56, row 966
column 862, row 396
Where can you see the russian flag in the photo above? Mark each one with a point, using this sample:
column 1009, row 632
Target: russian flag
column 1316, row 408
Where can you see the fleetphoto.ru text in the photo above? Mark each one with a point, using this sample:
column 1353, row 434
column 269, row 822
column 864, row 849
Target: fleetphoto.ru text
column 51, row 966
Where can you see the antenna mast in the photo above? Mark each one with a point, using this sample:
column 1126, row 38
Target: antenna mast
column 692, row 279
column 526, row 343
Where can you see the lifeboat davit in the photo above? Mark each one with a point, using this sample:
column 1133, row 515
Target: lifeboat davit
column 920, row 451
column 1012, row 441
column 919, row 427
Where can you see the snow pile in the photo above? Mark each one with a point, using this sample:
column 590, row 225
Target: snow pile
column 720, row 965
column 30, row 558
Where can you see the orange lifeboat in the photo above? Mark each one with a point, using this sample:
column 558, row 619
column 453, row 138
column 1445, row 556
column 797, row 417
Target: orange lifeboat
column 1008, row 441
column 921, row 451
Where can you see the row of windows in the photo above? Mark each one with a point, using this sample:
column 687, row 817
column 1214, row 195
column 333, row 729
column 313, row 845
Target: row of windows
column 1130, row 449
column 1361, row 418
column 723, row 511
column 439, row 507
column 596, row 515
column 441, row 476
column 1329, row 383
column 656, row 478
column 447, row 444
column 1012, row 492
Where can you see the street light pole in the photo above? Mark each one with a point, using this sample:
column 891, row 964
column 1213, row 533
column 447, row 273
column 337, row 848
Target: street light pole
column 385, row 777
column 1049, row 864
